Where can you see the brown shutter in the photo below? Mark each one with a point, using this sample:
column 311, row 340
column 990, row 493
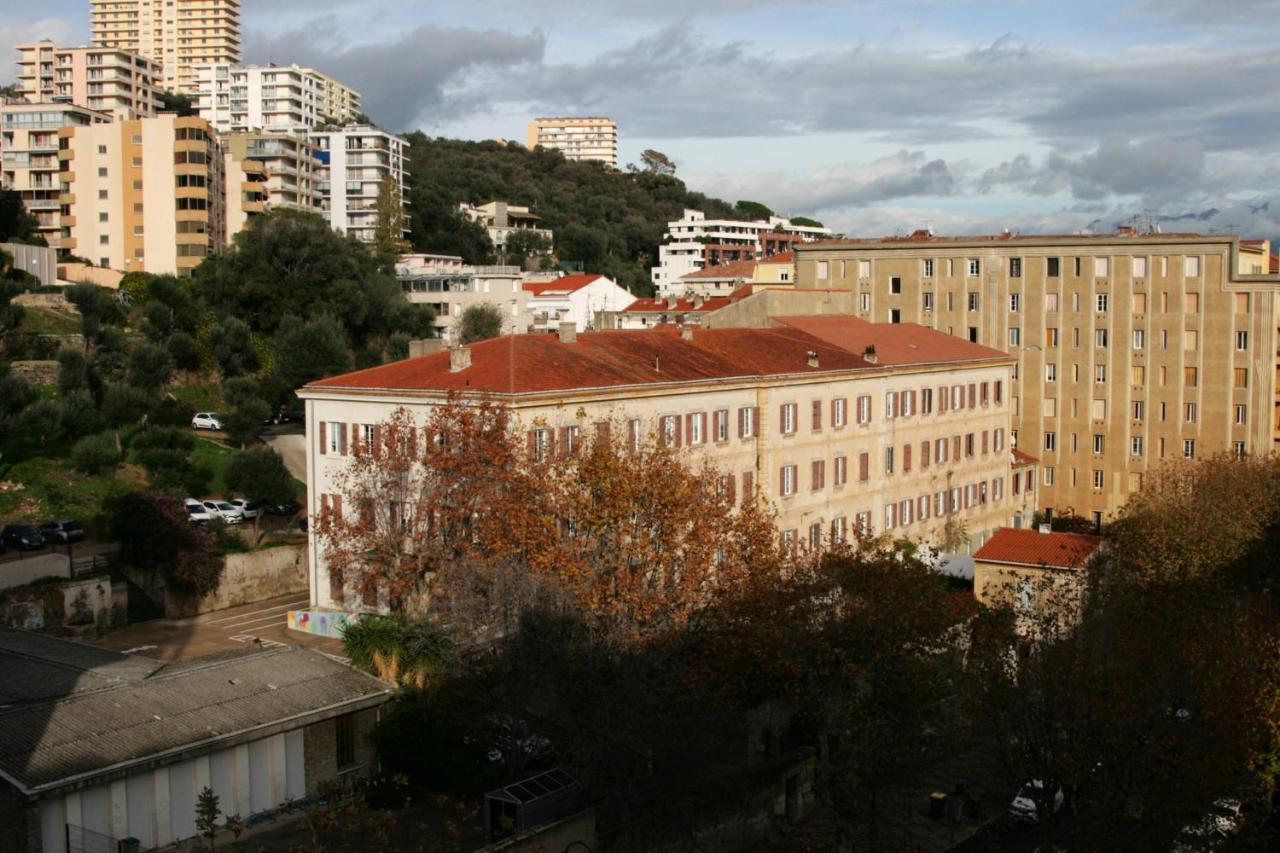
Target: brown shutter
column 335, row 503
column 924, row 453
column 897, row 403
column 815, row 474
column 973, row 395
column 742, row 422
column 864, row 467
column 755, row 419
column 984, row 442
column 342, row 439
column 324, row 435
column 748, row 485
column 564, row 441
column 706, row 436
column 957, row 451
column 688, row 426
column 782, row 419
column 906, row 458
column 602, row 433
column 817, row 415
column 532, row 444
column 731, row 488
column 377, row 440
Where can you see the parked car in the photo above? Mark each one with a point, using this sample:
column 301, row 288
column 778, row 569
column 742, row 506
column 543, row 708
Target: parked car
column 248, row 509
column 62, row 531
column 24, row 537
column 1023, row 808
column 196, row 511
column 206, row 420
column 288, row 509
column 221, row 509
column 279, row 416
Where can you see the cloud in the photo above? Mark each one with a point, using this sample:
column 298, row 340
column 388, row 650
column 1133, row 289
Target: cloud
column 404, row 81
column 15, row 31
column 1254, row 13
column 1156, row 169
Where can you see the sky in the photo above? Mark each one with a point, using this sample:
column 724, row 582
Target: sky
column 966, row 116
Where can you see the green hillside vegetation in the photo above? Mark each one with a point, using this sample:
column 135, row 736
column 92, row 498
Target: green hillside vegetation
column 611, row 222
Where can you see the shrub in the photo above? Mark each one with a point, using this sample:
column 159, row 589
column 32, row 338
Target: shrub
column 93, row 453
column 172, row 413
column 122, row 404
column 155, row 535
column 79, row 415
column 168, row 438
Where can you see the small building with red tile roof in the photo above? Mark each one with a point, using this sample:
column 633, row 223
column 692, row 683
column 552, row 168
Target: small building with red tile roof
column 646, row 313
column 578, row 299
column 1033, row 570
column 799, row 416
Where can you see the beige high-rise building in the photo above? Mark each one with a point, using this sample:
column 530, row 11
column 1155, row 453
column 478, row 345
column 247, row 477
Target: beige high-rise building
column 176, row 34
column 1131, row 349
column 106, row 79
column 145, row 194
column 29, row 146
column 578, row 138
column 287, row 163
column 338, row 103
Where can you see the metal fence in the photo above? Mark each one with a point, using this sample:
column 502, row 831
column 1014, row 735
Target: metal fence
column 81, row 840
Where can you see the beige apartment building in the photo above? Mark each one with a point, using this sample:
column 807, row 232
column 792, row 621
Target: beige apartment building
column 578, row 138
column 288, row 166
column 837, row 423
column 175, row 34
column 29, row 157
column 1129, row 349
column 146, row 194
column 105, row 79
column 338, row 103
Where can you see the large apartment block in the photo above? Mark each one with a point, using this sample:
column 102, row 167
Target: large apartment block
column 287, row 163
column 178, row 35
column 694, row 242
column 146, row 194
column 110, row 80
column 281, row 98
column 838, row 423
column 353, row 162
column 30, row 165
column 1130, row 349
column 577, row 137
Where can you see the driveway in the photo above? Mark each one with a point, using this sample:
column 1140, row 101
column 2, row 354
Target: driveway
column 261, row 625
column 292, row 447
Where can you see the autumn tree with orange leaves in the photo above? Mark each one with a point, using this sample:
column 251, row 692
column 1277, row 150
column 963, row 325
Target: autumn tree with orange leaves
column 457, row 515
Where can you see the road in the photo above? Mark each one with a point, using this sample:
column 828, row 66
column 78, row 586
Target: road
column 291, row 443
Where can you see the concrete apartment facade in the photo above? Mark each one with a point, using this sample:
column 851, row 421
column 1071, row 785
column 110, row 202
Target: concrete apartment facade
column 450, row 287
column 339, row 103
column 288, row 165
column 271, row 97
column 177, row 35
column 501, row 220
column 146, row 194
column 1130, row 349
column 694, row 242
column 109, row 80
column 834, row 421
column 576, row 137
column 29, row 157
column 353, row 161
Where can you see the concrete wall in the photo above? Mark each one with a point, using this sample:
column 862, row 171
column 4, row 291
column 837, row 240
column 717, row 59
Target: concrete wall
column 247, row 578
column 44, row 372
column 756, row 310
column 321, row 752
column 74, row 273
column 39, row 261
column 19, row 821
column 23, row 572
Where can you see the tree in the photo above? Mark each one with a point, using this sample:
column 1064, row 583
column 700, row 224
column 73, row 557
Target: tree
column 388, row 229
column 155, row 535
column 16, row 224
column 248, row 410
column 176, row 102
column 231, row 344
column 207, row 814
column 306, row 351
column 123, row 404
column 259, row 474
column 656, row 162
column 73, row 370
column 479, row 322
column 150, row 367
column 754, row 210
column 523, row 243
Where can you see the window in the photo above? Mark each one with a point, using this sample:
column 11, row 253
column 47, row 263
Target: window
column 1015, row 269
column 908, row 403
column 973, row 301
column 1189, row 448
column 721, row 425
column 1138, row 375
column 1191, row 413
column 746, row 422
column 975, row 267
column 344, row 736
column 839, row 412
column 670, row 430
column 864, row 409
column 1076, row 266
column 1051, row 302
column 1192, row 271
column 787, row 481
column 838, row 529
column 973, row 334
column 1189, row 376
column 864, row 269
column 1242, row 341
column 815, row 537
column 864, row 467
column 824, row 269
column 1050, row 441
column 1241, row 413
column 818, row 474
column 926, row 268
column 890, row 404
column 1015, row 336
column 1100, row 337
column 1139, row 410
column 1048, row 475
column 1102, row 300
column 1135, row 446
column 926, row 401
column 789, row 540
column 635, row 434
column 1015, row 301
column 1051, row 336
column 1242, row 302
column 1051, row 372
column 927, row 300
column 1099, row 442
column 1190, row 340
column 1237, row 447
column 888, row 460
column 787, row 418
column 1098, row 478
column 864, row 302
column 895, row 284
column 1240, row 377
column 697, row 424
column 1139, row 338
column 1101, row 267
column 1053, row 268
column 1139, row 267
column 840, row 470
column 1100, row 373
column 103, row 238
column 102, row 195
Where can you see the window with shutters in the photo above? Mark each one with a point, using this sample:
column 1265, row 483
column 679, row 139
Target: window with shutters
column 839, row 412
column 569, row 439
column 541, row 444
column 863, row 521
column 333, row 436
column 1240, row 377
column 957, row 396
column 816, row 420
column 747, row 422
column 905, row 512
column 670, row 430
column 864, row 467
column 635, row 434
column 864, row 409
column 888, row 460
column 890, row 516
column 1241, row 414
column 787, row 480
column 818, row 474
column 697, row 420
column 908, row 403
column 841, row 470
column 815, row 536
column 722, row 425
column 926, row 401
column 838, row 530
column 787, row 417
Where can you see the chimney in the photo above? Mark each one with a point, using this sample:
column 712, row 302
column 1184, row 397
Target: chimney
column 425, row 346
column 686, row 333
column 697, row 301
column 870, row 354
column 672, row 302
column 813, row 358
column 568, row 332
column 459, row 359
column 1046, row 528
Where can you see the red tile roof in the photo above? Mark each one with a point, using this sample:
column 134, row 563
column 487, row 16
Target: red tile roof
column 895, row 343
column 536, row 363
column 788, row 257
column 565, row 284
column 1033, row 548
column 734, row 269
column 1275, row 263
column 1021, row 459
column 686, row 306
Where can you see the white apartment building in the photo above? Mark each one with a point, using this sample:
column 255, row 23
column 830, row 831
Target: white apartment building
column 839, row 424
column 694, row 242
column 258, row 98
column 29, row 157
column 109, row 80
column 577, row 137
column 450, row 287
column 339, row 104
column 353, row 161
column 178, row 35
column 577, row 299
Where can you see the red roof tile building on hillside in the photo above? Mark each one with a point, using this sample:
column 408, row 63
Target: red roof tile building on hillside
column 838, row 424
column 1033, row 571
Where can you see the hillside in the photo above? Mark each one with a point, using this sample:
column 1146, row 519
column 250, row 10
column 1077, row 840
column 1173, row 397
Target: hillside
column 612, row 222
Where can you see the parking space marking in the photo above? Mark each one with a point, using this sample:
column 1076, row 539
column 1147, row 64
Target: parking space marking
column 249, row 638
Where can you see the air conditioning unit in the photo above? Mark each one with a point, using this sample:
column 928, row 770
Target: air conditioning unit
column 1045, row 528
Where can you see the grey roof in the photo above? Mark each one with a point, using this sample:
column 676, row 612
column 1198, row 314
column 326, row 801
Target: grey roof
column 35, row 666
column 175, row 712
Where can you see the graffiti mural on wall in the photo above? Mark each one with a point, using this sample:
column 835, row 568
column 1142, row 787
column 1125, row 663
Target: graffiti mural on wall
column 324, row 623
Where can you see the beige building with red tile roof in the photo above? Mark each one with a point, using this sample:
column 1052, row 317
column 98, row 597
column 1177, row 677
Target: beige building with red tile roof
column 835, row 423
column 1033, row 571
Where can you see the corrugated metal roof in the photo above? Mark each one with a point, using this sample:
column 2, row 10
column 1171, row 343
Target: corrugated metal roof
column 84, row 733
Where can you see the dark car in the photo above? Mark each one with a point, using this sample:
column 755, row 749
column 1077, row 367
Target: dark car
column 24, row 537
column 287, row 509
column 62, row 531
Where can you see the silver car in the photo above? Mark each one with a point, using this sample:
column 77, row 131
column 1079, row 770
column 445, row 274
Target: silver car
column 221, row 509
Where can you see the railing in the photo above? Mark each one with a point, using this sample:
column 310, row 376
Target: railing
column 81, row 840
column 91, row 564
